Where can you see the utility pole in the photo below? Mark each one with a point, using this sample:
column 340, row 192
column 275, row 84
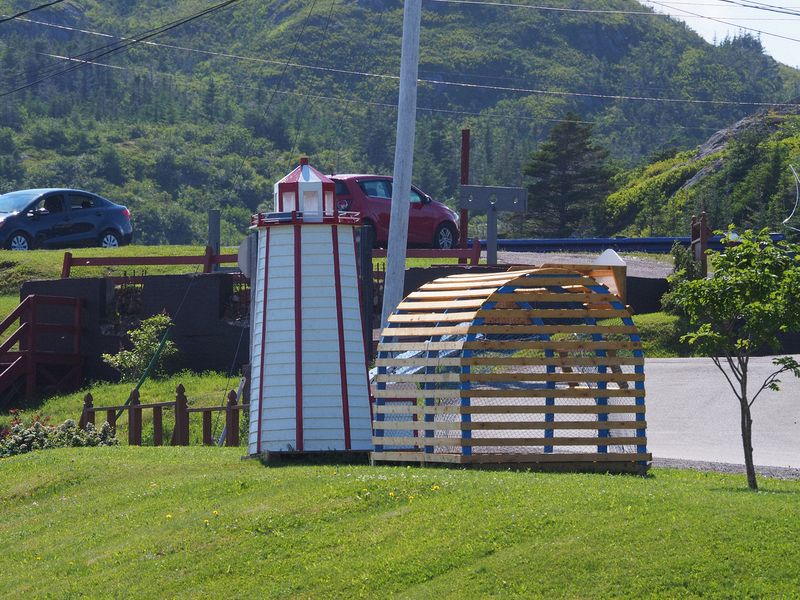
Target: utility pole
column 403, row 160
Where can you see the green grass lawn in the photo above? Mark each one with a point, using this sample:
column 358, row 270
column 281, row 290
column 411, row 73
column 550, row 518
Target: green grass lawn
column 200, row 522
column 18, row 267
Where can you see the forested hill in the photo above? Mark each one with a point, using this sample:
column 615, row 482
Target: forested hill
column 212, row 111
column 740, row 175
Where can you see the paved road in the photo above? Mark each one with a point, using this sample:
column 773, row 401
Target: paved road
column 693, row 415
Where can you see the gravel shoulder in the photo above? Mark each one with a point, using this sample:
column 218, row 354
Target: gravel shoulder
column 718, row 467
column 639, row 265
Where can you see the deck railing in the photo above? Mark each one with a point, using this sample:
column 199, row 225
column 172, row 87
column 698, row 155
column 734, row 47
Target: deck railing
column 180, row 407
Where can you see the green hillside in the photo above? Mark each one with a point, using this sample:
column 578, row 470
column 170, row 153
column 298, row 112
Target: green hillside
column 201, row 522
column 213, row 111
column 741, row 175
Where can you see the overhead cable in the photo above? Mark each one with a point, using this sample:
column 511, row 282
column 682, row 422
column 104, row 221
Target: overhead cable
column 126, row 44
column 452, row 83
column 493, row 115
column 725, row 22
column 30, row 10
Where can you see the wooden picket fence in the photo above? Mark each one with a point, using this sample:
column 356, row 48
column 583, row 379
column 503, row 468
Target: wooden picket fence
column 182, row 412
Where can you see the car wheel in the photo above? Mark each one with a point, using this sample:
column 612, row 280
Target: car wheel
column 446, row 237
column 19, row 241
column 110, row 239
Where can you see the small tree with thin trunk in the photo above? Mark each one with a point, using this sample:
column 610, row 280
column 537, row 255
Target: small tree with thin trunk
column 753, row 295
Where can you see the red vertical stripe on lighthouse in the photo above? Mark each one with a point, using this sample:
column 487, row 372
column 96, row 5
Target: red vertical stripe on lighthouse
column 298, row 340
column 337, row 280
column 263, row 341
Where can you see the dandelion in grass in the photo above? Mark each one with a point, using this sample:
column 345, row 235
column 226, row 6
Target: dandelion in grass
column 168, row 516
column 205, row 522
column 434, row 488
column 215, row 513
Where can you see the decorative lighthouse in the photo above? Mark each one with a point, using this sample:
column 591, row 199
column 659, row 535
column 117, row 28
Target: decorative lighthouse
column 309, row 387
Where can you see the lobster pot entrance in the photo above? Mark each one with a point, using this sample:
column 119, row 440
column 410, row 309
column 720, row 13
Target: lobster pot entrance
column 541, row 366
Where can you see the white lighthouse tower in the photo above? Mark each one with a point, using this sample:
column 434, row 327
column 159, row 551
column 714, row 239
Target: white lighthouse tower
column 309, row 387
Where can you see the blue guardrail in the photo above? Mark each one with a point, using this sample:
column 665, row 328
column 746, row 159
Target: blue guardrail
column 653, row 245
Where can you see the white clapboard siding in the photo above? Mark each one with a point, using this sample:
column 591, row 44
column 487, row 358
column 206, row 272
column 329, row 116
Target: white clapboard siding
column 322, row 403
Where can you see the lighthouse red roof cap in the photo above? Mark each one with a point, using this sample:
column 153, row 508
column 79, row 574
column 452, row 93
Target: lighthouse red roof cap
column 304, row 172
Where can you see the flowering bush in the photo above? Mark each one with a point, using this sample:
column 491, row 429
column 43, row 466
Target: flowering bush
column 20, row 438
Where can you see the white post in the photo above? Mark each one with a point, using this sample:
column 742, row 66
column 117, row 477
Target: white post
column 403, row 160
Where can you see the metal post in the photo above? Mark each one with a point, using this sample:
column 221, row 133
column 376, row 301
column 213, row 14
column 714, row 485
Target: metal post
column 403, row 160
column 491, row 235
column 214, row 234
column 463, row 224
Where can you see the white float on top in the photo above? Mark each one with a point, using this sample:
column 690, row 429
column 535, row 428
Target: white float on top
column 308, row 375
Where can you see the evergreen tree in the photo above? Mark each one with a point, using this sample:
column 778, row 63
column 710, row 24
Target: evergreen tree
column 569, row 179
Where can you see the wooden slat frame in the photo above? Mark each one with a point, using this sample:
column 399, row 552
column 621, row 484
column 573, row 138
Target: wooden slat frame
column 419, row 442
column 509, row 314
column 567, row 409
column 437, row 309
column 564, row 346
column 507, row 425
column 575, row 376
column 559, row 457
column 570, row 392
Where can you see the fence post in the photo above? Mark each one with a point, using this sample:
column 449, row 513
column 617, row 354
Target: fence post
column 231, row 421
column 181, row 417
column 134, row 420
column 207, row 428
column 111, row 418
column 158, row 426
column 207, row 260
column 476, row 252
column 87, row 416
column 67, row 265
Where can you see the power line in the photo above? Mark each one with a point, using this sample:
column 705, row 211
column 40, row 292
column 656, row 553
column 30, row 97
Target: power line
column 30, row 10
column 362, row 73
column 760, row 6
column 492, row 115
column 725, row 22
column 611, row 96
column 324, row 37
column 549, row 8
column 455, row 83
column 596, row 11
column 126, row 44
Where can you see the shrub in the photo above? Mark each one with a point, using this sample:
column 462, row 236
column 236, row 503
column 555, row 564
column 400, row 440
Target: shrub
column 685, row 268
column 145, row 341
column 21, row 439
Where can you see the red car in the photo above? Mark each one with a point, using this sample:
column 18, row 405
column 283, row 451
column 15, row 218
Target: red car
column 430, row 223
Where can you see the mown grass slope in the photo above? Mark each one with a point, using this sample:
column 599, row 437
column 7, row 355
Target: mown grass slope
column 200, row 522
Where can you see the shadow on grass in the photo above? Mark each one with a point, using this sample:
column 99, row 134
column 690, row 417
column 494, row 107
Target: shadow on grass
column 307, row 459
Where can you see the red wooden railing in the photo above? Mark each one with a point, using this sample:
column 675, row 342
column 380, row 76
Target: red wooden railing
column 180, row 407
column 207, row 260
column 473, row 255
column 32, row 352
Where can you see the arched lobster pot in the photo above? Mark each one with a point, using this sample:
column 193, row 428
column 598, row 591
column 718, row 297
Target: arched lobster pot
column 540, row 366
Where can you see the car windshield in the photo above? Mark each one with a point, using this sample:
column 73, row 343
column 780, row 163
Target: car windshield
column 16, row 201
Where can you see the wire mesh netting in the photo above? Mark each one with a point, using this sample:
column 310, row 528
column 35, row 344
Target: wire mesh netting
column 541, row 363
